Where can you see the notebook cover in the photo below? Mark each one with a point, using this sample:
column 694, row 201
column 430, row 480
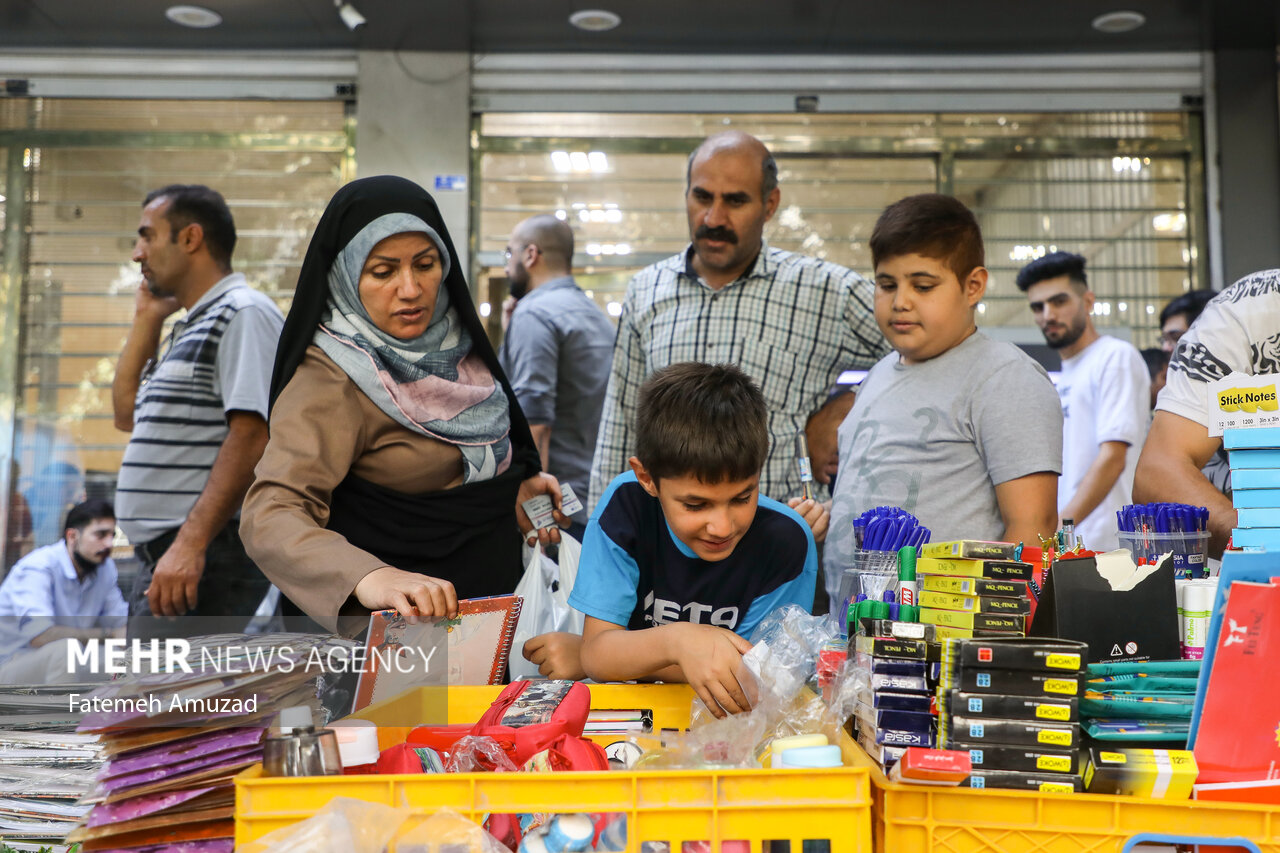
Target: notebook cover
column 478, row 644
column 1239, row 732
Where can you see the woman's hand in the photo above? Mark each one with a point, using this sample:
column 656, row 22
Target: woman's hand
column 557, row 654
column 540, row 484
column 418, row 598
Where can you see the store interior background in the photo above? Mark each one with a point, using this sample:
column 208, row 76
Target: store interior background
column 1154, row 152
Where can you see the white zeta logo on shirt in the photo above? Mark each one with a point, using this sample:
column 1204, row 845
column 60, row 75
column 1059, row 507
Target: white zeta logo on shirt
column 659, row 611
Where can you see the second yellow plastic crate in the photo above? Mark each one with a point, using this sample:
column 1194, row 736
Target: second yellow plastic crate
column 678, row 807
column 924, row 819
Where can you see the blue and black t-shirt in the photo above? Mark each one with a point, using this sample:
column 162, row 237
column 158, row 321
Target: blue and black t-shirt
column 634, row 572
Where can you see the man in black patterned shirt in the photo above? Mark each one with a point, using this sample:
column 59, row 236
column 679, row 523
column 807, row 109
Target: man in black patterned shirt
column 793, row 323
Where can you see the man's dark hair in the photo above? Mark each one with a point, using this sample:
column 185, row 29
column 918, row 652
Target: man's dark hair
column 1053, row 265
column 87, row 512
column 196, row 203
column 707, row 421
column 930, row 224
column 1191, row 304
column 1156, row 360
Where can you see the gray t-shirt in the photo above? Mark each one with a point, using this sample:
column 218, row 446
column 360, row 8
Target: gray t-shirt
column 557, row 355
column 936, row 438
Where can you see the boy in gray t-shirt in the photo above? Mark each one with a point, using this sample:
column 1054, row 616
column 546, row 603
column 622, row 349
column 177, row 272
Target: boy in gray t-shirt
column 961, row 431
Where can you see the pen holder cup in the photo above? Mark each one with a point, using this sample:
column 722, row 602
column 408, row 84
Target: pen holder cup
column 871, row 573
column 1188, row 550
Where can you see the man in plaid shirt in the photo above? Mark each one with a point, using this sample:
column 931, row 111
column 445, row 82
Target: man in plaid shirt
column 793, row 323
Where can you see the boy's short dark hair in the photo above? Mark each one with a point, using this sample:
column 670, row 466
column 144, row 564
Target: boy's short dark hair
column 930, row 224
column 1053, row 265
column 196, row 203
column 708, row 421
column 1156, row 360
column 1192, row 304
column 87, row 512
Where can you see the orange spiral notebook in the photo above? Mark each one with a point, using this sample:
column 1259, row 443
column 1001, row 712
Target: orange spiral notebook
column 472, row 649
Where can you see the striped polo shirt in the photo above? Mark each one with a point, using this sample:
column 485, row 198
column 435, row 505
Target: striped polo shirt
column 217, row 359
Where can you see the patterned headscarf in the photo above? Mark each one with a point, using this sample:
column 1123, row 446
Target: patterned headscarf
column 432, row 384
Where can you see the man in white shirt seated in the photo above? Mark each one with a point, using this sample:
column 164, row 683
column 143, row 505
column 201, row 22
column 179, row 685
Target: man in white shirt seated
column 61, row 592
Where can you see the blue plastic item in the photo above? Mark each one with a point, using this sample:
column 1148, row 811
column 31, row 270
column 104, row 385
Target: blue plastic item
column 1156, row 838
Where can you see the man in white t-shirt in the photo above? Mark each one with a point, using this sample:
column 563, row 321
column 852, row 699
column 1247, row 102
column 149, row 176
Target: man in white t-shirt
column 1105, row 392
column 1238, row 331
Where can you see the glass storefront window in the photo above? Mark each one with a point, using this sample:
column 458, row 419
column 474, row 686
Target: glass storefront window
column 86, row 166
column 1121, row 188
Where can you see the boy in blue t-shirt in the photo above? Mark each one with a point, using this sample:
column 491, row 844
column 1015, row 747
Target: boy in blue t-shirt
column 683, row 557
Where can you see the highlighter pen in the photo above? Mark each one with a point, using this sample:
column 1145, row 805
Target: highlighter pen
column 802, row 461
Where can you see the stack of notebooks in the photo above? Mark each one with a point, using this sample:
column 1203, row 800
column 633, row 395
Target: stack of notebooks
column 974, row 589
column 168, row 780
column 1013, row 706
column 1255, row 486
column 894, row 704
column 45, row 767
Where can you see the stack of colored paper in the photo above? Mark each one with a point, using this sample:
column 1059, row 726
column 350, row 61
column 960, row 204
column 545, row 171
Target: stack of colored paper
column 1255, row 486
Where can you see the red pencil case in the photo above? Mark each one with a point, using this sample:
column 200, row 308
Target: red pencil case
column 525, row 719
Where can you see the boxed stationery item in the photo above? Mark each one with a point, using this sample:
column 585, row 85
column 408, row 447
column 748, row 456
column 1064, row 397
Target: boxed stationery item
column 886, row 647
column 1045, row 783
column 1013, row 682
column 946, row 632
column 958, row 585
column 974, row 603
column 970, row 549
column 1007, row 732
column 903, row 721
column 1064, row 709
column 1033, row 654
column 980, row 621
column 1153, row 773
column 1121, row 611
column 1002, row 570
column 1020, row 758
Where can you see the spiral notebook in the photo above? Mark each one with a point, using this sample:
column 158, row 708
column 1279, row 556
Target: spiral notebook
column 472, row 649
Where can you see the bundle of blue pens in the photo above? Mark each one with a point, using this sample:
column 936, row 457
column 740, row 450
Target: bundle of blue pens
column 1150, row 530
column 888, row 528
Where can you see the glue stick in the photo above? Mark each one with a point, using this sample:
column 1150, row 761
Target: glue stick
column 906, row 575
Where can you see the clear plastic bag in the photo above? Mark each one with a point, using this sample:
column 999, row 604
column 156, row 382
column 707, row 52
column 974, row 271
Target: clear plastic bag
column 478, row 754
column 343, row 825
column 446, row 831
column 784, row 653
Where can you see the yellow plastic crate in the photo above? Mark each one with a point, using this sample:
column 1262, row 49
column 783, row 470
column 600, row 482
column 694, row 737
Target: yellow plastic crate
column 676, row 806
column 924, row 819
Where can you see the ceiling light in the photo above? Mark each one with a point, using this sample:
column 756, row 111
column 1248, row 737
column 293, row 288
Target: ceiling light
column 193, row 16
column 595, row 20
column 349, row 15
column 1119, row 22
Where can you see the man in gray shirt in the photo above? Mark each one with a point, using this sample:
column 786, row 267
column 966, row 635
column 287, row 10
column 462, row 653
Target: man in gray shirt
column 557, row 352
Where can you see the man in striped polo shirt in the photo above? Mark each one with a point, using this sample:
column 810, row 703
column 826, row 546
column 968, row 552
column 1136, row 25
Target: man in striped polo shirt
column 793, row 323
column 196, row 408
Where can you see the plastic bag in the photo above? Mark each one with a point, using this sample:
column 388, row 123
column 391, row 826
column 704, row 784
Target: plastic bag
column 446, row 830
column 545, row 588
column 478, row 754
column 343, row 825
column 784, row 653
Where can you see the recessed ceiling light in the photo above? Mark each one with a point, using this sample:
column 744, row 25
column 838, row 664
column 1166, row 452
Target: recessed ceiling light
column 193, row 16
column 595, row 20
column 1119, row 22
